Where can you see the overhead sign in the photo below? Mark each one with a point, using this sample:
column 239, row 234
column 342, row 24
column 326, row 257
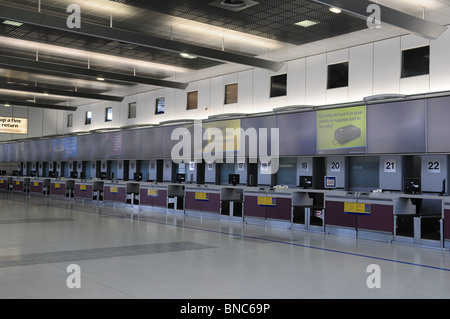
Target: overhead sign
column 13, row 125
column 342, row 131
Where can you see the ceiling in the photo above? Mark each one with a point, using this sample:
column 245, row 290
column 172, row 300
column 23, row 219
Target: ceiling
column 126, row 43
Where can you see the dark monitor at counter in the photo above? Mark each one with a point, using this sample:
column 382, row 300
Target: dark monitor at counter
column 33, row 174
column 137, row 177
column 412, row 186
column 52, row 174
column 2, row 173
column 15, row 173
column 103, row 175
column 73, row 174
column 305, row 181
column 181, row 178
column 234, row 179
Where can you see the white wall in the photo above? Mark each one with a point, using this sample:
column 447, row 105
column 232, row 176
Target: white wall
column 374, row 68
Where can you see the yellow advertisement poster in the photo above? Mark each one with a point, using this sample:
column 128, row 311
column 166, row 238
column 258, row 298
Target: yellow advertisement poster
column 113, row 190
column 83, row 188
column 152, row 193
column 357, row 208
column 202, row 197
column 342, row 130
column 267, row 201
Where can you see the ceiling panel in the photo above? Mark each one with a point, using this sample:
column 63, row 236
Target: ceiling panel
column 272, row 19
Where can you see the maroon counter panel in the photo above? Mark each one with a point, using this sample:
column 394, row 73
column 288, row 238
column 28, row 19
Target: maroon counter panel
column 211, row 204
column 58, row 189
column 381, row 218
column 191, row 203
column 252, row 209
column 36, row 187
column 3, row 184
column 110, row 194
column 281, row 211
column 18, row 186
column 159, row 200
column 447, row 224
column 84, row 191
column 335, row 216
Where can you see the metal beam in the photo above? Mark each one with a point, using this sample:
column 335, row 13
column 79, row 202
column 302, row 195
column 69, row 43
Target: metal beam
column 38, row 105
column 145, row 40
column 33, row 89
column 359, row 8
column 55, row 69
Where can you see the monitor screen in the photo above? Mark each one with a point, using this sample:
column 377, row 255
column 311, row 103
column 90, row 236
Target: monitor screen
column 138, row 177
column 52, row 174
column 412, row 186
column 73, row 174
column 305, row 181
column 181, row 178
column 234, row 179
column 103, row 175
column 330, row 182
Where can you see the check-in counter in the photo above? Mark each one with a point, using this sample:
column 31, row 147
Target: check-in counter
column 115, row 193
column 57, row 188
column 84, row 190
column 154, row 197
column 37, row 187
column 202, row 201
column 4, row 183
column 271, row 207
column 391, row 217
column 18, row 185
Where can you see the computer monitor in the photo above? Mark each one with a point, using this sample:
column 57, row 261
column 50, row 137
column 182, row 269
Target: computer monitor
column 15, row 173
column 33, row 173
column 103, row 175
column 305, row 181
column 412, row 186
column 234, row 179
column 52, row 174
column 137, row 177
column 83, row 175
column 330, row 182
column 73, row 174
column 181, row 178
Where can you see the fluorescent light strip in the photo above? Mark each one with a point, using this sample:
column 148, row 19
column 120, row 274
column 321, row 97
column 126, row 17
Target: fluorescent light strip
column 13, row 23
column 93, row 57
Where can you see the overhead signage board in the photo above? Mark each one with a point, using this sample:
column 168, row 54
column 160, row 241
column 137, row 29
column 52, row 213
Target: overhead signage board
column 13, row 125
column 342, row 131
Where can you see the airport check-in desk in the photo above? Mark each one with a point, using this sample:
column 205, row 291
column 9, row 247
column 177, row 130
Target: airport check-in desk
column 384, row 216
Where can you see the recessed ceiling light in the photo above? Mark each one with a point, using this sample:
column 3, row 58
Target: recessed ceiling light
column 100, row 79
column 46, row 94
column 187, row 56
column 306, row 23
column 7, row 105
column 233, row 3
column 13, row 23
column 335, row 10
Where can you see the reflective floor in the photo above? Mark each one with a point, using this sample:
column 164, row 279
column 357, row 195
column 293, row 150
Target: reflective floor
column 122, row 253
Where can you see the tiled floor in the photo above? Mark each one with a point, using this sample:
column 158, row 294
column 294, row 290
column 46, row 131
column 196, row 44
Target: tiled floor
column 172, row 257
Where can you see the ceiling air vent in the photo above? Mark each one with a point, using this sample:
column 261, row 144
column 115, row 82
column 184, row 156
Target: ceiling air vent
column 234, row 5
